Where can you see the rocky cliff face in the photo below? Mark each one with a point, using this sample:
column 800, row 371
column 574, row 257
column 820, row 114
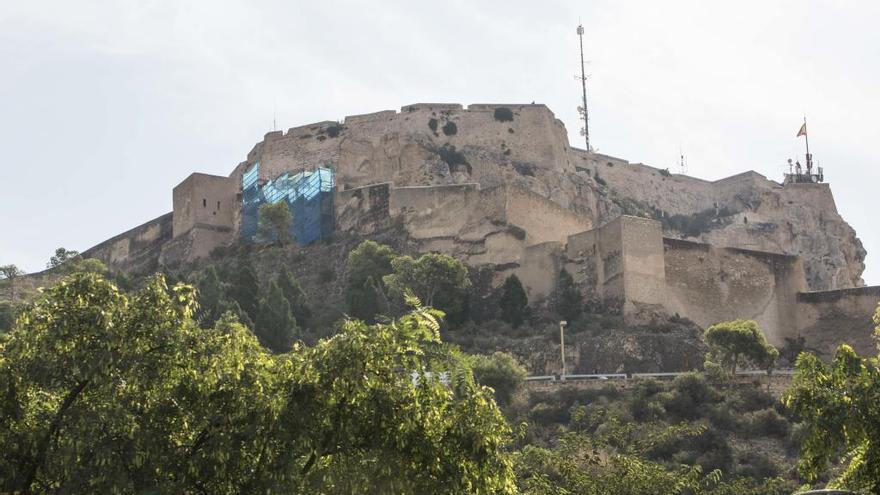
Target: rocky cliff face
column 745, row 211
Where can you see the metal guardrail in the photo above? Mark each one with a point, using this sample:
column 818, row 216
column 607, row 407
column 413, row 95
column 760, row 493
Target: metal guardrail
column 636, row 376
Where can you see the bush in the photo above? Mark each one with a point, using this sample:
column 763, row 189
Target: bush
column 334, row 130
column 432, row 124
column 722, row 417
column 453, row 157
column 503, row 114
column 450, row 129
column 499, row 371
column 546, row 414
column 764, row 423
column 752, row 399
column 756, row 465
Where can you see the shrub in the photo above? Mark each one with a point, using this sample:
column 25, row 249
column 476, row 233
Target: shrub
column 722, row 417
column 766, row 422
column 665, row 172
column 545, row 414
column 499, row 371
column 756, row 465
column 503, row 114
column 753, row 399
column 333, row 130
column 450, row 129
column 453, row 157
column 432, row 124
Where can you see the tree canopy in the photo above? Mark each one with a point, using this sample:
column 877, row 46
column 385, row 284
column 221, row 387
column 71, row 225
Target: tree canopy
column 841, row 406
column 10, row 273
column 295, row 295
column 106, row 392
column 500, row 371
column 244, row 288
column 275, row 326
column 274, row 222
column 438, row 280
column 367, row 264
column 61, row 256
column 732, row 343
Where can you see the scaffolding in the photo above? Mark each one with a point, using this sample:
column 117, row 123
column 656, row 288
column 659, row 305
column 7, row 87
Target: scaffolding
column 308, row 194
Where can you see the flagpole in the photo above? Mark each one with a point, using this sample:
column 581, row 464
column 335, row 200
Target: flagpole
column 807, row 138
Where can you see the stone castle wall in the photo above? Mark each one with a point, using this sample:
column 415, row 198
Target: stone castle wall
column 827, row 318
column 710, row 284
column 752, row 213
column 136, row 250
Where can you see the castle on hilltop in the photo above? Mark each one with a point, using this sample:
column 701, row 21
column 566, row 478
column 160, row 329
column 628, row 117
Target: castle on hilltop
column 499, row 187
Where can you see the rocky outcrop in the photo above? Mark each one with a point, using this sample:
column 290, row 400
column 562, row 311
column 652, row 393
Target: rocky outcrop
column 745, row 211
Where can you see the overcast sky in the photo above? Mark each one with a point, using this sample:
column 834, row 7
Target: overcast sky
column 106, row 106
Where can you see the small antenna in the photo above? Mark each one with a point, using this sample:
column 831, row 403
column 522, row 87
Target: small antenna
column 681, row 162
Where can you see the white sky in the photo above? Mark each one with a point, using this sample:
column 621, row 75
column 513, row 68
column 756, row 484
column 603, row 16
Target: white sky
column 106, row 105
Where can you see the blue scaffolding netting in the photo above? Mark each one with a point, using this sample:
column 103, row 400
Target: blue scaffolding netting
column 309, row 195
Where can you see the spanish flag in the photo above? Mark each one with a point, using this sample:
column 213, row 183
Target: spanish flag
column 803, row 131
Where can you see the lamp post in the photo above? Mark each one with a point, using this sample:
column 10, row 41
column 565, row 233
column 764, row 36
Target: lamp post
column 562, row 346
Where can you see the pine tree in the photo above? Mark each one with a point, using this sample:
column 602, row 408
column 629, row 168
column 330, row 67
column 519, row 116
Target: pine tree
column 245, row 289
column 569, row 300
column 295, row 295
column 233, row 307
column 210, row 298
column 514, row 302
column 275, row 326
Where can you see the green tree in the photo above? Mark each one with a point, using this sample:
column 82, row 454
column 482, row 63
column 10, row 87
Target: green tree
column 500, row 371
column 274, row 222
column 10, row 273
column 112, row 393
column 840, row 404
column 569, row 300
column 78, row 264
column 275, row 326
column 211, row 301
column 61, row 256
column 740, row 341
column 295, row 295
column 367, row 264
column 438, row 280
column 514, row 302
column 245, row 288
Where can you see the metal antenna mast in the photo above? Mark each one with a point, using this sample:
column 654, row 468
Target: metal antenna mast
column 583, row 110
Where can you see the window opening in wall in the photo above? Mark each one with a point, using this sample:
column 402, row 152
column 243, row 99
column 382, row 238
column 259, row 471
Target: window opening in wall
column 204, row 203
column 218, row 205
